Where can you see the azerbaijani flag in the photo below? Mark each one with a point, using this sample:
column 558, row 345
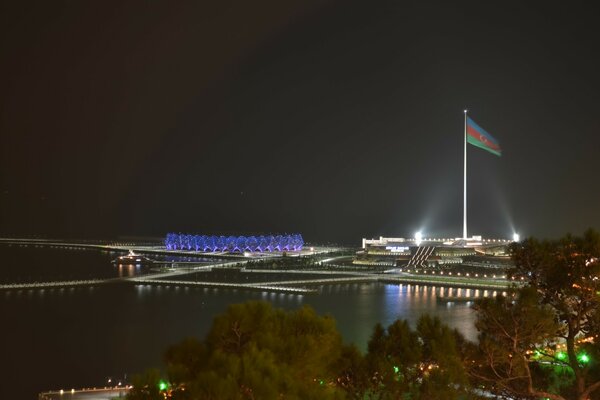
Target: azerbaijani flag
column 477, row 136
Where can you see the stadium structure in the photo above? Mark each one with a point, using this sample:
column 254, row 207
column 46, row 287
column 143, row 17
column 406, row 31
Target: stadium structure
column 432, row 253
column 208, row 243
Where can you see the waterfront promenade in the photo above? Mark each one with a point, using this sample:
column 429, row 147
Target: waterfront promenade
column 86, row 394
column 166, row 276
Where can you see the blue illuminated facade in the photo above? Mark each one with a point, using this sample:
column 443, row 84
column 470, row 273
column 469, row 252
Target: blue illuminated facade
column 178, row 241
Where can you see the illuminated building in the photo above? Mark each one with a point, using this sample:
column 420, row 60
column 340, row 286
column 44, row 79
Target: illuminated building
column 421, row 252
column 178, row 241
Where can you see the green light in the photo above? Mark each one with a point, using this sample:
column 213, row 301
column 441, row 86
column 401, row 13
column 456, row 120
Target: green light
column 396, row 369
column 561, row 355
column 162, row 385
column 584, row 358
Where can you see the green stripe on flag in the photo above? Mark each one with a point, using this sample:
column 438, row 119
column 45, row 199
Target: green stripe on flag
column 482, row 145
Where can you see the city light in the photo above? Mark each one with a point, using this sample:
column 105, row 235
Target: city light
column 583, row 358
column 418, row 238
column 516, row 237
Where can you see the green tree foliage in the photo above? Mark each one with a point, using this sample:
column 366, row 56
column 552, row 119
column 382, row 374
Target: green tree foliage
column 514, row 335
column 442, row 350
column 545, row 342
column 420, row 364
column 351, row 373
column 254, row 351
column 146, row 386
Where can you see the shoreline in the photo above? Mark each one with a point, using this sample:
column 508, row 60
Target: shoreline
column 302, row 286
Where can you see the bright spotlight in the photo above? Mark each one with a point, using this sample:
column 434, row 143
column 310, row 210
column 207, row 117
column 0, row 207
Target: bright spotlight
column 418, row 238
column 516, row 237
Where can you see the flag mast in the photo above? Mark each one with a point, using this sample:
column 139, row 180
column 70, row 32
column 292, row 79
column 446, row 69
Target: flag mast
column 465, row 184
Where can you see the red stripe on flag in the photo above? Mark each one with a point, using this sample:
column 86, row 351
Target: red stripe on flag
column 475, row 134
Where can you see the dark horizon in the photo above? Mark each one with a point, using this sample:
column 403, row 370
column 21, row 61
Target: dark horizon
column 332, row 119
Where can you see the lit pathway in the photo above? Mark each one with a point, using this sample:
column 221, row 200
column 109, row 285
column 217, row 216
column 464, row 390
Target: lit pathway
column 446, row 281
column 324, row 281
column 187, row 270
column 268, row 286
column 54, row 284
column 85, row 394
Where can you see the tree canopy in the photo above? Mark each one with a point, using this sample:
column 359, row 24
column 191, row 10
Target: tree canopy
column 418, row 364
column 543, row 341
column 254, row 351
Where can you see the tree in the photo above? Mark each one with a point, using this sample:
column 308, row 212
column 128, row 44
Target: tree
column 514, row 334
column 146, row 386
column 421, row 364
column 254, row 351
column 352, row 376
column 560, row 310
column 444, row 372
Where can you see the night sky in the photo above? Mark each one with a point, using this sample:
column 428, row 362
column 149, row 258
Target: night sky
column 338, row 120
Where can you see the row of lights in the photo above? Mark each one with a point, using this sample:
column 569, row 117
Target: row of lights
column 419, row 238
column 459, row 274
column 562, row 356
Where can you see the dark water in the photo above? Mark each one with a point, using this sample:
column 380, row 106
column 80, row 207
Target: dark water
column 36, row 263
column 64, row 338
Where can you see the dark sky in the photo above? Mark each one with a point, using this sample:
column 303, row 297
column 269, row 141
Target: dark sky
column 338, row 119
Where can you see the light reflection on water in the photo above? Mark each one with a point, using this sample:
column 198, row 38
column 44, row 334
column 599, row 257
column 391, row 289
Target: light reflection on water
column 372, row 303
column 356, row 307
column 121, row 328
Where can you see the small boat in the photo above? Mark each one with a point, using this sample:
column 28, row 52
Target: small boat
column 132, row 258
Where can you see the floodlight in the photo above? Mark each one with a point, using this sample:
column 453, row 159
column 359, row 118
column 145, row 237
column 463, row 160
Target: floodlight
column 418, row 238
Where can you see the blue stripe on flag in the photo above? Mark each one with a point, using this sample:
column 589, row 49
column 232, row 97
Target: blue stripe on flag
column 482, row 131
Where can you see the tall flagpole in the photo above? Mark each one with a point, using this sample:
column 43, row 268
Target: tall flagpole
column 465, row 184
